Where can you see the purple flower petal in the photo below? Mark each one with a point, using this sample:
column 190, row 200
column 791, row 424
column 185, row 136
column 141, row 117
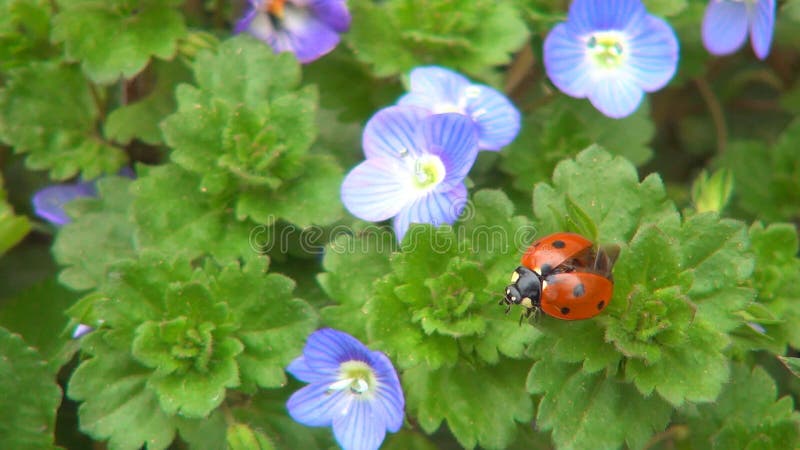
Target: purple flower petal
column 724, row 26
column 316, row 405
column 300, row 370
column 565, row 62
column 435, row 208
column 762, row 25
column 654, row 54
column 390, row 402
column 81, row 330
column 308, row 36
column 494, row 114
column 453, row 138
column 377, row 189
column 394, row 132
column 48, row 203
column 616, row 96
column 435, row 86
column 333, row 12
column 328, row 348
column 244, row 23
column 359, row 428
column 588, row 16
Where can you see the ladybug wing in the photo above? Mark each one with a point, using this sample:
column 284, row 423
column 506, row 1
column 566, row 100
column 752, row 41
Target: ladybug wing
column 550, row 251
column 575, row 295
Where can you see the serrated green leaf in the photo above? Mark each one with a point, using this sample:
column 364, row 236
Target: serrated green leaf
column 793, row 364
column 242, row 437
column 117, row 38
column 117, row 405
column 272, row 323
column 729, row 421
column 480, row 404
column 777, row 278
column 616, row 202
column 30, row 396
column 47, row 111
column 593, row 411
column 100, row 234
column 173, row 213
column 400, row 34
column 204, row 434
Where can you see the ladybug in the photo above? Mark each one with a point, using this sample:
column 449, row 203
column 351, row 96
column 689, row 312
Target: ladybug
column 565, row 275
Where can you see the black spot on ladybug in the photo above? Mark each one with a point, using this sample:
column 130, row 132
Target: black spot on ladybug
column 546, row 268
column 559, row 244
column 600, row 305
column 565, row 310
column 578, row 290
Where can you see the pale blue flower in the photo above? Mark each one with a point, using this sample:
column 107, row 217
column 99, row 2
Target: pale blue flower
column 415, row 168
column 727, row 23
column 352, row 389
column 48, row 203
column 307, row 28
column 441, row 90
column 611, row 52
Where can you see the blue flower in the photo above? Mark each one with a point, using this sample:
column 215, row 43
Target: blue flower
column 611, row 52
column 727, row 23
column 440, row 90
column 307, row 28
column 415, row 168
column 351, row 388
column 48, row 203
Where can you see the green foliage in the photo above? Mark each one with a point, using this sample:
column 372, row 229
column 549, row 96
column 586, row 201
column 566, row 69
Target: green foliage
column 398, row 35
column 252, row 134
column 117, row 38
column 729, row 422
column 767, row 178
column 563, row 128
column 189, row 335
column 30, row 396
column 24, row 31
column 12, row 227
column 47, row 110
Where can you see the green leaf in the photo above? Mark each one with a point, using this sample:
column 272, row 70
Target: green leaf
column 616, row 202
column 467, row 35
column 586, row 410
column 242, row 437
column 100, row 234
column 566, row 126
column 712, row 193
column 24, row 32
column 665, row 7
column 12, row 228
column 37, row 314
column 480, row 404
column 117, row 38
column 767, row 179
column 273, row 324
column 117, row 404
column 174, row 213
column 30, row 396
column 793, row 364
column 140, row 120
column 777, row 277
column 729, row 421
column 47, row 111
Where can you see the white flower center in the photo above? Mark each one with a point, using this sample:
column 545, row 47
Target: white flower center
column 357, row 377
column 607, row 49
column 428, row 172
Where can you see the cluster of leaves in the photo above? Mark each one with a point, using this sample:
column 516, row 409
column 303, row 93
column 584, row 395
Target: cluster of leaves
column 196, row 312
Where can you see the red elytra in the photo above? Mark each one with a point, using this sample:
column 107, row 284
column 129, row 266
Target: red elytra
column 565, row 275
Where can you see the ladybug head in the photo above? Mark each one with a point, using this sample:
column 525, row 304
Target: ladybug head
column 525, row 289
